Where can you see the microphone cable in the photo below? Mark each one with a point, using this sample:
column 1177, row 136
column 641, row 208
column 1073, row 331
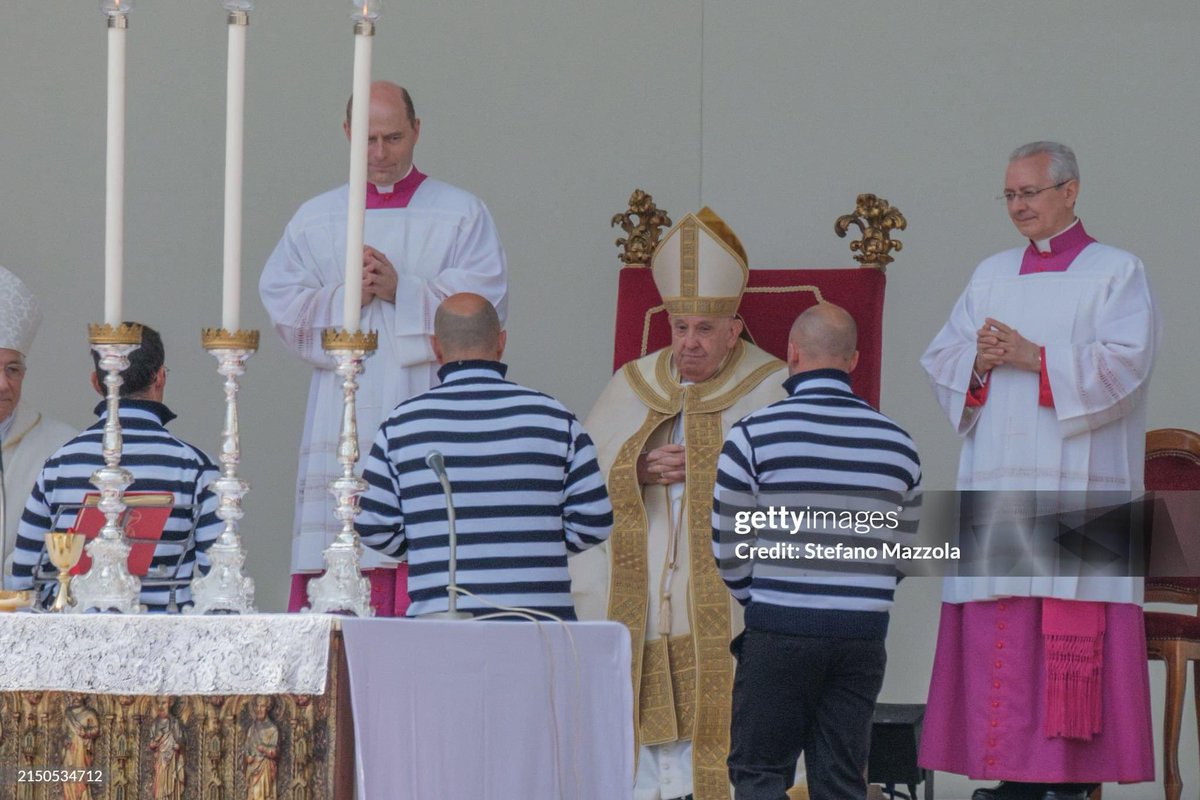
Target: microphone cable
column 533, row 615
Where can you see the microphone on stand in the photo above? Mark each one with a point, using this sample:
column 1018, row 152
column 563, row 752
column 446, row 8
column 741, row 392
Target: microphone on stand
column 437, row 463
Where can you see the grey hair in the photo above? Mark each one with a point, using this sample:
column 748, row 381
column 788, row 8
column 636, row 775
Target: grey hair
column 1063, row 166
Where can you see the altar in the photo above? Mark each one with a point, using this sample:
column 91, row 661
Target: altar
column 179, row 707
column 306, row 706
column 491, row 710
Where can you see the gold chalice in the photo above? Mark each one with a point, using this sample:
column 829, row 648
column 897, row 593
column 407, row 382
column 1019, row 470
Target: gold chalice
column 65, row 549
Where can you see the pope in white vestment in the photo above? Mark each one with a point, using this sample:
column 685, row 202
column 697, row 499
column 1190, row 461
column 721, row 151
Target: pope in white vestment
column 658, row 429
column 425, row 240
column 27, row 438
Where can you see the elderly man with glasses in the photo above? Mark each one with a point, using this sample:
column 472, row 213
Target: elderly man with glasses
column 1041, row 682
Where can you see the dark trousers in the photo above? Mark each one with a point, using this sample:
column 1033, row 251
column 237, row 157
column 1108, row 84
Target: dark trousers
column 803, row 694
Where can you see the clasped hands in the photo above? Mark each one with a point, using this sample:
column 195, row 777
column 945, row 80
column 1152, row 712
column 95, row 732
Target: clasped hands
column 996, row 344
column 663, row 465
column 379, row 277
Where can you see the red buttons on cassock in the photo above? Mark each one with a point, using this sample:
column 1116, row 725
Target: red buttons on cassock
column 995, row 704
column 995, row 684
column 998, row 663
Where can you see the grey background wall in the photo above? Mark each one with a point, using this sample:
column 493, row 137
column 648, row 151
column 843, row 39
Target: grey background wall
column 776, row 113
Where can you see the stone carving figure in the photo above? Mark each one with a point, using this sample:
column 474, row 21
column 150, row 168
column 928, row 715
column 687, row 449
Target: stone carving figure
column 82, row 726
column 166, row 743
column 261, row 753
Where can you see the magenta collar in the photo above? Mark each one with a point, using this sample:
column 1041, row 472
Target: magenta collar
column 399, row 196
column 1063, row 250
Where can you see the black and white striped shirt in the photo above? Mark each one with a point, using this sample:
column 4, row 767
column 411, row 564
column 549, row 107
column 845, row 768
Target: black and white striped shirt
column 821, row 448
column 158, row 462
column 527, row 491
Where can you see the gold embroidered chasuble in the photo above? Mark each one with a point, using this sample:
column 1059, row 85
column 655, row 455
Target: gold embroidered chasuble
column 657, row 575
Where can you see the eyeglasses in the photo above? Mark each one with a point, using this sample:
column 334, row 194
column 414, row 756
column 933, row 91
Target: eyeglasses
column 1029, row 194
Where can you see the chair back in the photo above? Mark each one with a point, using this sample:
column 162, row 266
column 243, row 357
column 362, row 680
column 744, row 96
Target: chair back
column 773, row 297
column 1172, row 473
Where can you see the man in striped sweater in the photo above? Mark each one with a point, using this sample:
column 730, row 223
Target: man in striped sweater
column 527, row 489
column 158, row 461
column 811, row 660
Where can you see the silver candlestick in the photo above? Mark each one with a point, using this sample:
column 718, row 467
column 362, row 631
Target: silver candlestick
column 108, row 586
column 343, row 588
column 225, row 589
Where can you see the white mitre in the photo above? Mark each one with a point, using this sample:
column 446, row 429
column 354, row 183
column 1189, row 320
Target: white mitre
column 20, row 314
column 700, row 267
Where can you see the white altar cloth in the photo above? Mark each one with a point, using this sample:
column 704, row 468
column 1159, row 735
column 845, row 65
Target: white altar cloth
column 165, row 653
column 468, row 710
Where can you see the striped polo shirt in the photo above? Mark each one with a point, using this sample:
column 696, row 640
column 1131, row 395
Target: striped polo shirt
column 159, row 462
column 527, row 492
column 824, row 449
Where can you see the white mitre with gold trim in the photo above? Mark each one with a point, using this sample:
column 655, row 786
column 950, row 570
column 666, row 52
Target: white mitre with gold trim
column 700, row 267
column 20, row 314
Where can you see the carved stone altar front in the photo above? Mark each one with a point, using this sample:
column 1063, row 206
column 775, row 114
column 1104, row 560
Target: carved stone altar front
column 280, row 746
column 168, row 748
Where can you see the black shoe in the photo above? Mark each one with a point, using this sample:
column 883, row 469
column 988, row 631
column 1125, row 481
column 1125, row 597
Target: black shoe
column 1010, row 790
column 1069, row 791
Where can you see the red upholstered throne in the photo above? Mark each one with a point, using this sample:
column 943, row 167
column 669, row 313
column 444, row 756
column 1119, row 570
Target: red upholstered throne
column 773, row 297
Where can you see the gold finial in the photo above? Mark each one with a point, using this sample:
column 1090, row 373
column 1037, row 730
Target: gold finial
column 637, row 246
column 222, row 339
column 125, row 333
column 334, row 339
column 876, row 219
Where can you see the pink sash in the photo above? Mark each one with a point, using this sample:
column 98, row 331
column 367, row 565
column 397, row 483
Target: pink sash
column 1073, row 631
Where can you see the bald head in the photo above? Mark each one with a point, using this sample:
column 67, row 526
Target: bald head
column 466, row 327
column 823, row 337
column 392, row 132
column 392, row 94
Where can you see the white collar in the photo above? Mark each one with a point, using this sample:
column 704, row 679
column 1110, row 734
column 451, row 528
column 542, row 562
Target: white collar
column 1043, row 245
column 392, row 188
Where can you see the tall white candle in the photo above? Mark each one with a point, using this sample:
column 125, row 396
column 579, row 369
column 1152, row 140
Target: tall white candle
column 357, row 206
column 235, row 104
column 114, row 207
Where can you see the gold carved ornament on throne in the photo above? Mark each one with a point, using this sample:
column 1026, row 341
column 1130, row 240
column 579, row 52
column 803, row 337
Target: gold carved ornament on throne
column 875, row 218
